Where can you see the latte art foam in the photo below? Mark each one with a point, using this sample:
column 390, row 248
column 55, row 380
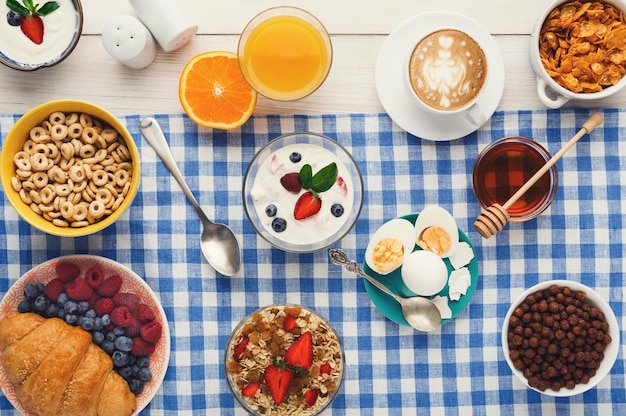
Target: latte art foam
column 447, row 69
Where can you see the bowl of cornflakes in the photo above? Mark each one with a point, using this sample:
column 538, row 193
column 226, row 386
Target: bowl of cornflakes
column 578, row 51
column 69, row 168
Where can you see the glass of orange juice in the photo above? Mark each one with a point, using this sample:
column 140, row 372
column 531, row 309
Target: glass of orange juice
column 285, row 53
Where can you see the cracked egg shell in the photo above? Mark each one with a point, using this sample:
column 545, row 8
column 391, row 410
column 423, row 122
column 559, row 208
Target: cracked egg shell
column 390, row 245
column 436, row 230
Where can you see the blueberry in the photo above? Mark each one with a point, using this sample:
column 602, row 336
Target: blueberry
column 83, row 306
column 337, row 210
column 145, row 374
column 88, row 323
column 106, row 319
column 71, row 307
column 97, row 337
column 271, row 210
column 111, row 336
column 24, row 306
column 279, row 225
column 97, row 323
column 14, row 18
column 41, row 303
column 62, row 299
column 119, row 330
column 70, row 318
column 61, row 313
column 90, row 313
column 136, row 385
column 40, row 287
column 143, row 361
column 108, row 347
column 123, row 343
column 126, row 372
column 30, row 291
column 120, row 358
column 295, row 157
column 52, row 311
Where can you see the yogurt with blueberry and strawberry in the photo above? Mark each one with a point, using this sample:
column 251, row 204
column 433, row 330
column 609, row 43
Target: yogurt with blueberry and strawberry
column 302, row 213
column 41, row 34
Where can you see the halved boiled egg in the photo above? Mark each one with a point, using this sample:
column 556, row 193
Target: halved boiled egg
column 436, row 230
column 389, row 246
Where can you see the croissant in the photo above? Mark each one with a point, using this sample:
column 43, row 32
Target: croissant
column 58, row 371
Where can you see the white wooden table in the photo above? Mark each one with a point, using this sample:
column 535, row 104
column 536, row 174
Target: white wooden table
column 358, row 29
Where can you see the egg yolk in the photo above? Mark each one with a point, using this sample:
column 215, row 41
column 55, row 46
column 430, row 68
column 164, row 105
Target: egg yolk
column 387, row 255
column 435, row 239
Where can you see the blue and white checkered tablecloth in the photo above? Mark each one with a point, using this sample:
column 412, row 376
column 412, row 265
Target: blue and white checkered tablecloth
column 391, row 369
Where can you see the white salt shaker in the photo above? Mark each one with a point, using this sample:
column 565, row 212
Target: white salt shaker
column 126, row 39
column 166, row 22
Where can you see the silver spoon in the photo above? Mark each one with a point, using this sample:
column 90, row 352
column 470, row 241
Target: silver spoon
column 419, row 312
column 218, row 243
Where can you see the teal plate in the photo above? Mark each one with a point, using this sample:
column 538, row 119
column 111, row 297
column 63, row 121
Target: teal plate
column 391, row 309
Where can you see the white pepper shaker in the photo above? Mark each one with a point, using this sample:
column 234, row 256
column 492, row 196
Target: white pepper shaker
column 166, row 22
column 126, row 39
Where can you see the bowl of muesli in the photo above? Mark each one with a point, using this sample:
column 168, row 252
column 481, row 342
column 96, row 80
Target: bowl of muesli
column 284, row 359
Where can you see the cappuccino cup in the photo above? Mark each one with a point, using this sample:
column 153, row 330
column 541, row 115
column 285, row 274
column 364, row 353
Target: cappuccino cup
column 447, row 72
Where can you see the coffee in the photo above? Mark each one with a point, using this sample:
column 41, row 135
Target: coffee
column 447, row 70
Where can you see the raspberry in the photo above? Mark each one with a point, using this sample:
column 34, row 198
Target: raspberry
column 94, row 276
column 67, row 271
column 133, row 329
column 144, row 313
column 78, row 289
column 151, row 332
column 121, row 316
column 103, row 305
column 142, row 347
column 110, row 286
column 53, row 289
column 130, row 300
column 93, row 299
column 291, row 182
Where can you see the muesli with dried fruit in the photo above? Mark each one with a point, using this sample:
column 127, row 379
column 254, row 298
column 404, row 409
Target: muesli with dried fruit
column 285, row 359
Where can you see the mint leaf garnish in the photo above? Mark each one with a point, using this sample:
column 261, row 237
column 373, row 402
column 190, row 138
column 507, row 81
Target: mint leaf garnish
column 323, row 180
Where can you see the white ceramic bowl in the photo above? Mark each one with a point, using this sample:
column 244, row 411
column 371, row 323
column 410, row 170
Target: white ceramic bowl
column 551, row 94
column 62, row 30
column 610, row 353
column 307, row 239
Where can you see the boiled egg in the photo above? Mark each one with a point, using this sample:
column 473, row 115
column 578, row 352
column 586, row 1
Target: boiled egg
column 424, row 273
column 436, row 231
column 389, row 246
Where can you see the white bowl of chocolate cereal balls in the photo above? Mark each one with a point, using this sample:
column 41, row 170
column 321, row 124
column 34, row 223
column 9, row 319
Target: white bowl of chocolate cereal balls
column 69, row 168
column 560, row 338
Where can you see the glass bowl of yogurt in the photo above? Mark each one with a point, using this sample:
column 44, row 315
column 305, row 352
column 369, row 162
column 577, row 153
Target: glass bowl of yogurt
column 303, row 192
column 38, row 35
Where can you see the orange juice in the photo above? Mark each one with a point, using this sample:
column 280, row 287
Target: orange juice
column 285, row 56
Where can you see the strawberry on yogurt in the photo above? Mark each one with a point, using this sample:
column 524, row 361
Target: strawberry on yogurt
column 34, row 34
column 302, row 193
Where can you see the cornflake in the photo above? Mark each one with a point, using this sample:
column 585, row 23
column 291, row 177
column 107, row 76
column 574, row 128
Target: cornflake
column 582, row 46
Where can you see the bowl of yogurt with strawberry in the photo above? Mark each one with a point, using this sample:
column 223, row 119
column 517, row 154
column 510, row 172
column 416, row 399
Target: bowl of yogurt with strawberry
column 303, row 192
column 35, row 35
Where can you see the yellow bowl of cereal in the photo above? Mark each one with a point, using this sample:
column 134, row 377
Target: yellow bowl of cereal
column 69, row 168
column 577, row 51
column 560, row 338
column 284, row 359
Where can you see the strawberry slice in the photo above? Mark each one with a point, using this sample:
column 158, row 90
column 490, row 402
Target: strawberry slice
column 32, row 27
column 310, row 397
column 250, row 389
column 308, row 204
column 278, row 380
column 289, row 323
column 291, row 182
column 300, row 353
column 325, row 368
column 240, row 348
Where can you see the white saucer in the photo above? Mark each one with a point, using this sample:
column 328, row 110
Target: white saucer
column 390, row 77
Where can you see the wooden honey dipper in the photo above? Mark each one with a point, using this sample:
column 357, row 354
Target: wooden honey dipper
column 493, row 219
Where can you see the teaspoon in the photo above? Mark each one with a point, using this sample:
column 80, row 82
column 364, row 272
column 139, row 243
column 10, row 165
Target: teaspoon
column 419, row 312
column 218, row 242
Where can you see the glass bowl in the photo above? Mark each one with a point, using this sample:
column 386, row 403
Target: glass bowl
column 62, row 31
column 271, row 208
column 566, row 335
column 266, row 335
